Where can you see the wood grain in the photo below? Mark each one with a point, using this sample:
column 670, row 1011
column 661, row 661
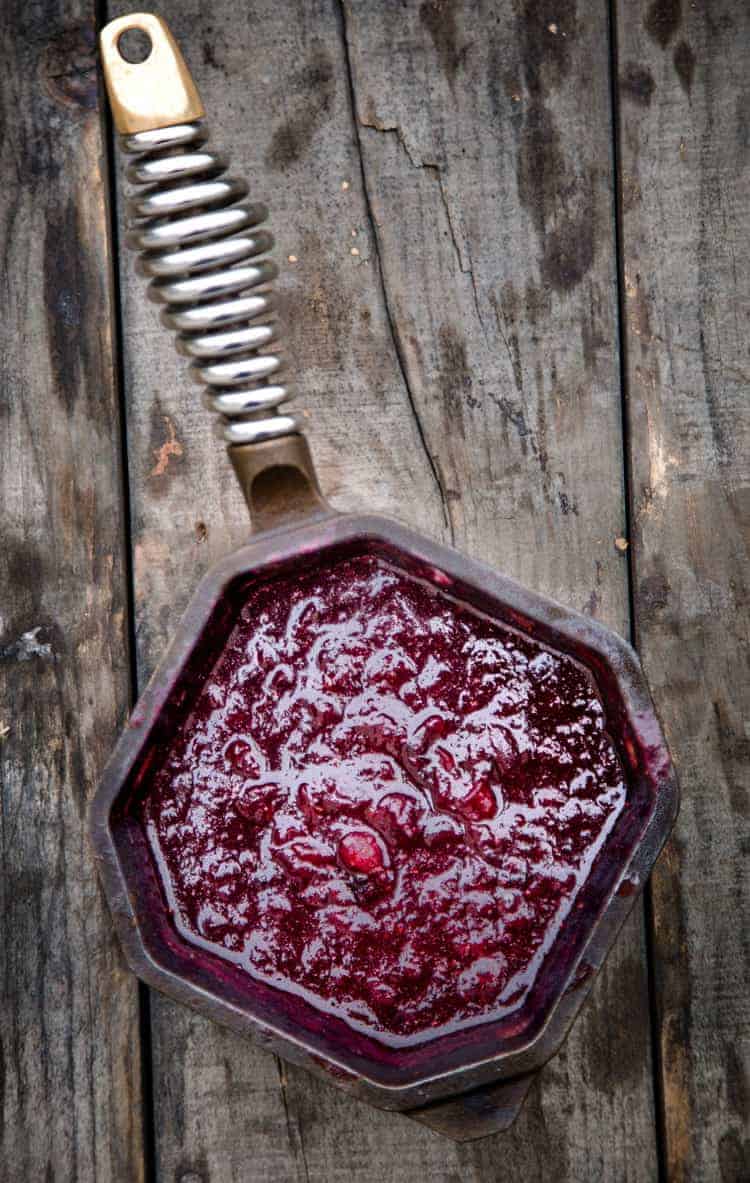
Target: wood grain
column 70, row 1097
column 442, row 175
column 685, row 154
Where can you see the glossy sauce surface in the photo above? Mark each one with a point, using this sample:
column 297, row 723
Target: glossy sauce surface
column 383, row 801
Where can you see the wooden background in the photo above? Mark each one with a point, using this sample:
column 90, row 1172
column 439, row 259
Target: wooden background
column 541, row 347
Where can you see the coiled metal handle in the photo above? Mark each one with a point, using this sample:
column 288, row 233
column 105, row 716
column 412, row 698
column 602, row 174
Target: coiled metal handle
column 200, row 244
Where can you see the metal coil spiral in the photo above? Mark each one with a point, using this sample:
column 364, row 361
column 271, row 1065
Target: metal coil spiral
column 199, row 244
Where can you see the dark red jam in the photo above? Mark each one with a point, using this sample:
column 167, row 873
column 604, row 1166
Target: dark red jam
column 383, row 801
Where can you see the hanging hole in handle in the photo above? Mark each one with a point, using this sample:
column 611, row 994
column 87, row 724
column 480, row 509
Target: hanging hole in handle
column 134, row 45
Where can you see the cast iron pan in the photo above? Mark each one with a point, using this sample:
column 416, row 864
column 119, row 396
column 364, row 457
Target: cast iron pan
column 200, row 244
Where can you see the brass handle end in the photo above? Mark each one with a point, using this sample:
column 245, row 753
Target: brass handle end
column 157, row 92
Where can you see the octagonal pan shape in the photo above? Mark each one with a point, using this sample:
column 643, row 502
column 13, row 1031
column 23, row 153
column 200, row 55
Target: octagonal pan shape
column 391, row 1073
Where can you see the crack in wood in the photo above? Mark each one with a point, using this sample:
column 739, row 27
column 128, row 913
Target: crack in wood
column 466, row 268
column 440, row 485
column 294, row 1133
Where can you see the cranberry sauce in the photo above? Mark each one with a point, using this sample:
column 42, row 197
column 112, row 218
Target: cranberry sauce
column 383, row 801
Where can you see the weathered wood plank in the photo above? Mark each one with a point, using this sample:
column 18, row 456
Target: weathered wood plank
column 460, row 370
column 685, row 153
column 69, row 1037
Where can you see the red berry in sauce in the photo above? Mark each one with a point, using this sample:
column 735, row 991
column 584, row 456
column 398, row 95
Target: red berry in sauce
column 359, row 851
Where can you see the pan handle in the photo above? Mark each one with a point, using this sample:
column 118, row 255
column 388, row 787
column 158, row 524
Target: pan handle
column 279, row 482
column 200, row 243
